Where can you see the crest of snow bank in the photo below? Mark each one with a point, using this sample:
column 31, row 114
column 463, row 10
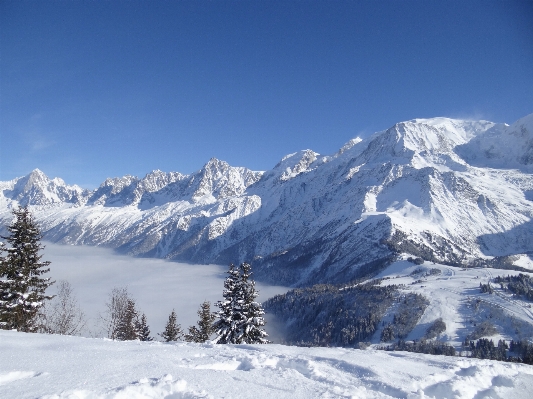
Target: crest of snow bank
column 165, row 387
column 15, row 375
column 71, row 367
column 146, row 388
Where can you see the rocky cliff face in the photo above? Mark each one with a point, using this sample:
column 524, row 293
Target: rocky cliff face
column 446, row 190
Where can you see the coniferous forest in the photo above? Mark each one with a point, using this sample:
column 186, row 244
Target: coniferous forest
column 330, row 315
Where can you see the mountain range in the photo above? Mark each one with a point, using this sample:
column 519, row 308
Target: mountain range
column 451, row 191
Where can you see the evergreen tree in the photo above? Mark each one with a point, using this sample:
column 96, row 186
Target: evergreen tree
column 127, row 329
column 240, row 316
column 22, row 287
column 173, row 330
column 387, row 334
column 227, row 327
column 252, row 310
column 205, row 325
column 143, row 332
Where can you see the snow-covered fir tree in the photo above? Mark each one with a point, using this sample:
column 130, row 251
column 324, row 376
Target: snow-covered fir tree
column 229, row 316
column 22, row 287
column 173, row 330
column 240, row 319
column 127, row 329
column 205, row 325
column 252, row 310
column 143, row 331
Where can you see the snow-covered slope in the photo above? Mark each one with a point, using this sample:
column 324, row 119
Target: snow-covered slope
column 454, row 295
column 503, row 146
column 48, row 366
column 446, row 190
column 53, row 366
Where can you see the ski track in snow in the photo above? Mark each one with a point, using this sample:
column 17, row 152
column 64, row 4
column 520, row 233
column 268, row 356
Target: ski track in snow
column 453, row 295
column 72, row 367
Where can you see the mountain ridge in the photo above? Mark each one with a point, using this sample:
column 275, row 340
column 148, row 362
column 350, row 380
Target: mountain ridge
column 425, row 187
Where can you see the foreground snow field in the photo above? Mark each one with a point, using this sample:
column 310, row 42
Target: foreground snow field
column 51, row 366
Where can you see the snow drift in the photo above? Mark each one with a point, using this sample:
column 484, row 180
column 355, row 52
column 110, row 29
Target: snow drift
column 51, row 366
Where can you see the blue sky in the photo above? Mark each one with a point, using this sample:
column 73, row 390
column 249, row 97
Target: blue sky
column 96, row 89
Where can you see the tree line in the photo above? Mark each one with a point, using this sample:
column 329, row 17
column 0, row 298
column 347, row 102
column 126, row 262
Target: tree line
column 521, row 285
column 25, row 306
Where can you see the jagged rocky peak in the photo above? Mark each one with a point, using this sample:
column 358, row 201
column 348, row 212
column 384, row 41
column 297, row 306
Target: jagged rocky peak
column 217, row 179
column 292, row 165
column 213, row 170
column 156, row 180
column 117, row 184
column 130, row 190
column 115, row 191
column 216, row 166
column 38, row 189
column 36, row 179
column 36, row 176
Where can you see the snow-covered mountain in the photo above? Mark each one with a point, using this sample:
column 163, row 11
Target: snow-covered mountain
column 446, row 190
